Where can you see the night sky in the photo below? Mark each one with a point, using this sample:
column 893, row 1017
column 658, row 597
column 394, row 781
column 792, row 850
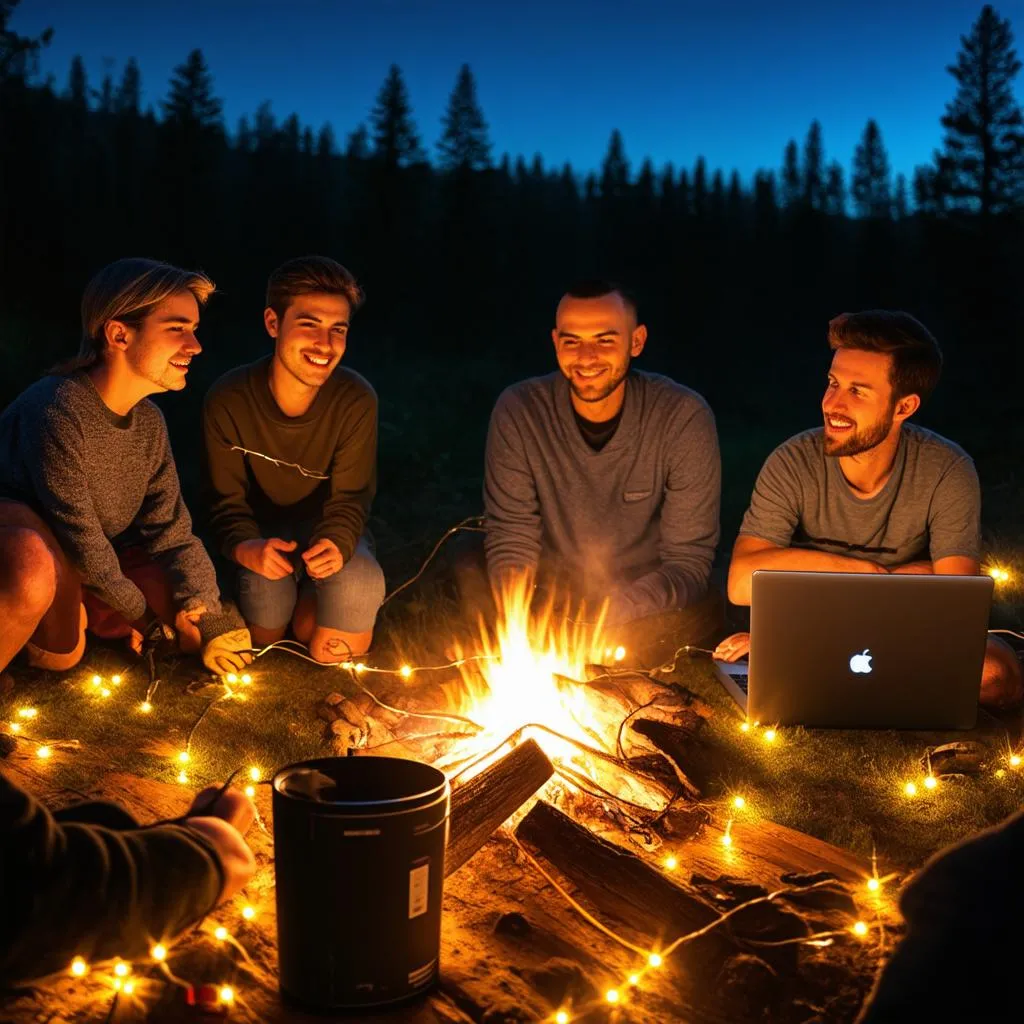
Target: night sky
column 732, row 80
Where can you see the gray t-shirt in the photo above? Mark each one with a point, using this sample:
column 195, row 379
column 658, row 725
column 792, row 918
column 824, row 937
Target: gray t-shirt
column 929, row 508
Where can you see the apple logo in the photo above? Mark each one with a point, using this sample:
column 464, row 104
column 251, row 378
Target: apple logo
column 861, row 662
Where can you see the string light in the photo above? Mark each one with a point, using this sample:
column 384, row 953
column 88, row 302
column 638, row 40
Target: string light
column 727, row 835
column 561, row 1017
column 231, row 678
column 116, row 680
column 226, row 995
column 220, row 933
column 910, row 789
column 405, row 671
column 159, row 952
column 930, row 782
column 634, row 980
column 104, row 692
column 999, row 574
column 44, row 752
column 250, row 791
column 27, row 712
column 739, row 803
column 860, row 929
column 360, row 667
column 1014, row 760
column 129, row 988
column 183, row 757
column 183, row 777
column 671, row 863
column 874, row 884
column 246, row 679
column 248, row 913
column 79, row 968
column 121, row 969
column 96, row 680
column 254, row 774
column 1000, row 773
column 655, row 960
column 145, row 707
column 769, row 735
column 744, row 727
column 612, row 995
column 15, row 727
column 620, row 653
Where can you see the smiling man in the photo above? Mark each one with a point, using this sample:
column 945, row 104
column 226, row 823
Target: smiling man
column 868, row 492
column 603, row 477
column 93, row 529
column 291, row 469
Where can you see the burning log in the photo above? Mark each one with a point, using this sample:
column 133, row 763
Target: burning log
column 681, row 742
column 482, row 803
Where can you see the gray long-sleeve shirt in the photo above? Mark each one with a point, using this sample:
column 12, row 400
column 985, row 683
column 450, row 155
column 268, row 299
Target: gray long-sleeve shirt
column 636, row 521
column 103, row 482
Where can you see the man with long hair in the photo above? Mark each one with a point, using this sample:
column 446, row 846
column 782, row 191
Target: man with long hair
column 868, row 491
column 93, row 529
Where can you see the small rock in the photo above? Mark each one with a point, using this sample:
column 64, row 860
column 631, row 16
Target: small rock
column 514, row 925
column 353, row 715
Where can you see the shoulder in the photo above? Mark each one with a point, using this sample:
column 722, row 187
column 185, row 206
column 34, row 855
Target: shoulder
column 227, row 385
column 667, row 400
column 353, row 388
column 53, row 401
column 933, row 449
column 803, row 451
column 526, row 396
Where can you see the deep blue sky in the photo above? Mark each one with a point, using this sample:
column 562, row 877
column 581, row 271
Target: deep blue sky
column 732, row 80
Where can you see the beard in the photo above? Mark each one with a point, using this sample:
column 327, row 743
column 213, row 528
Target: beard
column 598, row 392
column 861, row 440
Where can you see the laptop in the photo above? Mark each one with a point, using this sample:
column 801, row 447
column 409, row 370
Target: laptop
column 859, row 651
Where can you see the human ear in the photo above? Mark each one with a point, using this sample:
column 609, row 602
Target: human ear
column 270, row 322
column 907, row 406
column 117, row 334
column 639, row 340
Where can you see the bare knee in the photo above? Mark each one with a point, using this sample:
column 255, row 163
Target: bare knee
column 28, row 571
column 1002, row 680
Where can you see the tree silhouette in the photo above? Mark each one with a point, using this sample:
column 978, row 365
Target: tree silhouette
column 191, row 105
column 19, row 55
column 792, row 183
column 396, row 142
column 615, row 169
column 357, row 145
column 983, row 150
column 835, row 190
column 78, row 87
column 871, row 188
column 813, row 168
column 129, row 90
column 464, row 144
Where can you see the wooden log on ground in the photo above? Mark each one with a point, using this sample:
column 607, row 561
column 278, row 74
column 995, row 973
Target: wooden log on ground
column 482, row 803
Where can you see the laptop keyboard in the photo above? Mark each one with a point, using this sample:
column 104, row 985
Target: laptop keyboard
column 740, row 679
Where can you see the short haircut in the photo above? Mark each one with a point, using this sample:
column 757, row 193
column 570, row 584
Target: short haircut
column 129, row 290
column 598, row 287
column 307, row 275
column 916, row 356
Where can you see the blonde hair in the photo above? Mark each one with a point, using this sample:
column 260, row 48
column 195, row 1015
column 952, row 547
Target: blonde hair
column 129, row 290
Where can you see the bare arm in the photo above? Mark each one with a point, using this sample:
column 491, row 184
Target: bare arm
column 752, row 553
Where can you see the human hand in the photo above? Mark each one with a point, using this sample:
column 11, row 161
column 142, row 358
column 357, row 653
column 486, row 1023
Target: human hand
column 186, row 625
column 232, row 851
column 734, row 647
column 232, row 806
column 229, row 652
column 266, row 557
column 322, row 559
column 148, row 633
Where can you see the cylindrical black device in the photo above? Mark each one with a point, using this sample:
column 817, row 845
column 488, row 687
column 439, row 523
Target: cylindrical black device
column 359, row 846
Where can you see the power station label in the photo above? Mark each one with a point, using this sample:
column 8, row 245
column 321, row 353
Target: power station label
column 419, row 887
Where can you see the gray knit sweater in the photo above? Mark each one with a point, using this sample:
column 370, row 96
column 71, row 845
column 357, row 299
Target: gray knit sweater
column 636, row 522
column 104, row 482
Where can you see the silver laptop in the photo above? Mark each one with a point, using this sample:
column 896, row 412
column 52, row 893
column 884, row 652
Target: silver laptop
column 857, row 651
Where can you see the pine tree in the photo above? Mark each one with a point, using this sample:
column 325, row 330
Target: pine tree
column 325, row 145
column 191, row 103
column 983, row 150
column 19, row 55
column 835, row 190
column 357, row 145
column 899, row 204
column 615, row 169
column 645, row 188
column 243, row 136
column 700, row 188
column 291, row 133
column 464, row 144
column 792, row 184
column 104, row 96
column 78, row 88
column 264, row 128
column 872, row 196
column 927, row 191
column 814, row 168
column 129, row 91
column 395, row 140
column 308, row 143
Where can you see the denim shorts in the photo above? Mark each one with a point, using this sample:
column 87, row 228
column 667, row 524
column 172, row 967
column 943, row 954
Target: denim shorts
column 348, row 600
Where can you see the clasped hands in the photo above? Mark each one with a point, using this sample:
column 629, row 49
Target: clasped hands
column 268, row 557
column 228, row 652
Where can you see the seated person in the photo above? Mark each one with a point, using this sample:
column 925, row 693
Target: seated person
column 869, row 492
column 291, row 469
column 88, row 881
column 93, row 529
column 601, row 474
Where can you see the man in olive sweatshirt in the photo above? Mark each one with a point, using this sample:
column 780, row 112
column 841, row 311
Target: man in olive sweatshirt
column 291, row 468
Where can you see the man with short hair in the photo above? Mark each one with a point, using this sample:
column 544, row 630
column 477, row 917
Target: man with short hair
column 605, row 476
column 93, row 528
column 291, row 470
column 869, row 492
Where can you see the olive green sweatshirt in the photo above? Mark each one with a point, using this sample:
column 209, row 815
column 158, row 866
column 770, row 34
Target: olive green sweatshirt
column 318, row 468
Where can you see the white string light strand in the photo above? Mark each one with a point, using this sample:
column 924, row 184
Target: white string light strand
column 311, row 474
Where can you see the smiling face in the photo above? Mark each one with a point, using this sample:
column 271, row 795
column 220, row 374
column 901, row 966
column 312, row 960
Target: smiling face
column 310, row 337
column 595, row 339
column 160, row 349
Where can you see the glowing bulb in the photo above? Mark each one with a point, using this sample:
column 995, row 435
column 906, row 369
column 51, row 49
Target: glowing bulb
column 930, row 782
column 744, row 727
column 873, row 884
column 769, row 735
column 727, row 840
column 634, row 979
column 183, row 777
column 612, row 995
column 727, row 835
column 183, row 757
column 620, row 653
column 1014, row 760
column 360, row 667
column 254, row 774
column 250, row 791
column 671, row 863
column 145, row 707
column 159, row 952
column 27, row 712
column 1000, row 773
column 79, row 968
column 129, row 988
column 220, row 933
column 739, row 803
column 860, row 928
column 118, row 984
column 910, row 789
column 104, row 692
column 655, row 960
column 561, row 1017
column 246, row 679
column 121, row 969
column 116, row 680
column 231, row 677
column 44, row 752
column 405, row 671
column 998, row 574
column 226, row 994
column 248, row 913
column 96, row 680
column 15, row 727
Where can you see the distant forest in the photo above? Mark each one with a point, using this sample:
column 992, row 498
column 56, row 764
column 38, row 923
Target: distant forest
column 463, row 253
